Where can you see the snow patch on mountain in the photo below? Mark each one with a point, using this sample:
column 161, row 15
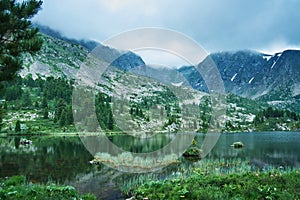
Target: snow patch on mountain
column 250, row 81
column 267, row 57
column 177, row 84
column 232, row 78
column 278, row 56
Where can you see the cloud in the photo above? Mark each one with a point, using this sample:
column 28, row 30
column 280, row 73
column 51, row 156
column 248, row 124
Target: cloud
column 160, row 41
column 215, row 24
column 277, row 46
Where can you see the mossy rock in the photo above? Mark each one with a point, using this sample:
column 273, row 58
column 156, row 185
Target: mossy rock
column 193, row 153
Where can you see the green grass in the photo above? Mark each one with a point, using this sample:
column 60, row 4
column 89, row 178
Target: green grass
column 226, row 186
column 16, row 187
column 218, row 180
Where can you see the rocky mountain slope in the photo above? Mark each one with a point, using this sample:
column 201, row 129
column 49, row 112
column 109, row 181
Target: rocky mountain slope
column 145, row 90
column 270, row 78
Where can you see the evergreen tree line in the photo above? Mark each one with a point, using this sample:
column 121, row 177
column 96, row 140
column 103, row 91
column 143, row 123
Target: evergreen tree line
column 55, row 95
column 270, row 112
column 104, row 111
column 50, row 88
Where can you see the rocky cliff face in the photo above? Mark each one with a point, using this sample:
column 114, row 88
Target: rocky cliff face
column 252, row 74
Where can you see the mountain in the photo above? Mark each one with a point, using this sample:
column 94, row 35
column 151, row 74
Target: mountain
column 88, row 44
column 250, row 74
column 125, row 60
column 146, row 104
column 150, row 98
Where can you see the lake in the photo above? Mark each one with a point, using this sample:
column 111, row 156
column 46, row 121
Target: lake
column 65, row 160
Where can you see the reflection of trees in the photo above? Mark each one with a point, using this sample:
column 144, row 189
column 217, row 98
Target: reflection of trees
column 141, row 145
column 58, row 159
column 264, row 147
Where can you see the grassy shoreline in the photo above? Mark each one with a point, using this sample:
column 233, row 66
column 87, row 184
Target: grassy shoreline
column 59, row 133
column 222, row 179
column 265, row 185
column 17, row 187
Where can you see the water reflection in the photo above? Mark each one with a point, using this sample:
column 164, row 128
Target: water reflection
column 276, row 149
column 48, row 158
column 66, row 160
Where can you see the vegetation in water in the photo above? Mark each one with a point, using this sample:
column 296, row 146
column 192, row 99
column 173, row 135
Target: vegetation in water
column 219, row 180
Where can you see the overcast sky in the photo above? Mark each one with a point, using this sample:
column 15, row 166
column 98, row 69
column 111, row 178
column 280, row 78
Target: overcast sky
column 217, row 25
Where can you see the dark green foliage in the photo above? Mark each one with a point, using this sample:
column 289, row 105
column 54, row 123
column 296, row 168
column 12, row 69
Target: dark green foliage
column 36, row 105
column 12, row 92
column 16, row 187
column 110, row 121
column 26, row 100
column 18, row 126
column 63, row 118
column 45, row 113
column 69, row 115
column 17, row 35
column 44, row 103
column 265, row 185
column 135, row 110
column 1, row 117
column 272, row 119
column 275, row 113
column 103, row 111
column 49, row 89
column 172, row 119
column 57, row 88
column 63, row 113
column 60, row 105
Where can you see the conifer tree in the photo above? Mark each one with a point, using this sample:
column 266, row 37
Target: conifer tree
column 44, row 103
column 17, row 36
column 1, row 117
column 18, row 126
column 62, row 120
column 69, row 116
column 110, row 123
column 26, row 100
column 45, row 113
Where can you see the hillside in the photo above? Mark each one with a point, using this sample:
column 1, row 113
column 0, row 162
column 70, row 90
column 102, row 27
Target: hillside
column 269, row 78
column 131, row 97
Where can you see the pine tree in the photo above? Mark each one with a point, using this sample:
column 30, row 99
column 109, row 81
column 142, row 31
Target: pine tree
column 45, row 113
column 26, row 100
column 18, row 126
column 60, row 106
column 110, row 123
column 62, row 120
column 36, row 104
column 44, row 103
column 1, row 117
column 69, row 116
column 5, row 106
column 17, row 35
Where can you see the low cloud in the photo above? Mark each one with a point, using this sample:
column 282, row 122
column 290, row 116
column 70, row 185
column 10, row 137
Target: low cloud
column 217, row 25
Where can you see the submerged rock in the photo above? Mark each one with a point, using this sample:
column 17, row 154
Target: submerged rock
column 237, row 145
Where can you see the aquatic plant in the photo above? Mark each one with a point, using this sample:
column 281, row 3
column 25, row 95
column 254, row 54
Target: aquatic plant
column 126, row 161
column 217, row 179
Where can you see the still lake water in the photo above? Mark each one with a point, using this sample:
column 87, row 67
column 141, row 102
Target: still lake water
column 65, row 160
